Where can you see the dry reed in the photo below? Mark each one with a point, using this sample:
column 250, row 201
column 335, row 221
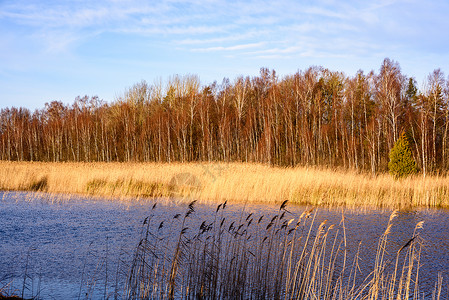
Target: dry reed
column 217, row 182
column 247, row 255
column 278, row 258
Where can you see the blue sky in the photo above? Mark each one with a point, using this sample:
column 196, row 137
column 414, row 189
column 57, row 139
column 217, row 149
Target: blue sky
column 57, row 50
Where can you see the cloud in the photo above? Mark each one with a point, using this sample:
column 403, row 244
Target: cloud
column 247, row 28
column 323, row 12
column 214, row 40
column 173, row 30
column 230, row 48
column 273, row 56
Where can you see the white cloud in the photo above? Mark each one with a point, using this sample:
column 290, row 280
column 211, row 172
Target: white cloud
column 230, row 48
column 320, row 11
column 273, row 56
column 276, row 29
column 216, row 40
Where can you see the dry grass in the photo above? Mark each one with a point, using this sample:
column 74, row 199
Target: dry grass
column 217, row 182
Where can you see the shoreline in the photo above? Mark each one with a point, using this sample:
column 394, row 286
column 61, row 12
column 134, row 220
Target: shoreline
column 216, row 182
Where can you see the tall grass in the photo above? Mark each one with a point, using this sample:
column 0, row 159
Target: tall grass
column 218, row 182
column 269, row 257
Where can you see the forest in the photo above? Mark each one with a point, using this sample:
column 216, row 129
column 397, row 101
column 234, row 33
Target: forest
column 315, row 117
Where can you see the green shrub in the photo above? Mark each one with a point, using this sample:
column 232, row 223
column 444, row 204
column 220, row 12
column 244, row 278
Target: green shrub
column 401, row 163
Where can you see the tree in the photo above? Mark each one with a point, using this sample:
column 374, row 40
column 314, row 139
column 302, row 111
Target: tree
column 314, row 117
column 389, row 84
column 401, row 162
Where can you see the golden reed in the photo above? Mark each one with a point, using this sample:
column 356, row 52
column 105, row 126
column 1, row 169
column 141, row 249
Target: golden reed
column 217, row 182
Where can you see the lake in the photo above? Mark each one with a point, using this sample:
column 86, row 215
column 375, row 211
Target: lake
column 81, row 248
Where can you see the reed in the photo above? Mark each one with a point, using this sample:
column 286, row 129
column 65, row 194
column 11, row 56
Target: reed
column 269, row 257
column 218, row 182
column 282, row 255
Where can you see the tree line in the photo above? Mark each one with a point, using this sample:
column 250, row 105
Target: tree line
column 314, row 117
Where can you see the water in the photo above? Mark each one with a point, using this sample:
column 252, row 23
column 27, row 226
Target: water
column 81, row 248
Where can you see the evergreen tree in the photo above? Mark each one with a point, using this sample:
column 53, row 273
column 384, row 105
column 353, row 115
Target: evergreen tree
column 401, row 162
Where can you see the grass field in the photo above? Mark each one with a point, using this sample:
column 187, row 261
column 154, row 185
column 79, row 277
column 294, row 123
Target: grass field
column 217, row 182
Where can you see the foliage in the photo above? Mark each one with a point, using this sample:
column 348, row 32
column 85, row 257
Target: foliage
column 401, row 163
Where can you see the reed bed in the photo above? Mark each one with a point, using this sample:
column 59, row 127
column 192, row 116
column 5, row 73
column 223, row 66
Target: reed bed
column 218, row 182
column 252, row 255
column 269, row 257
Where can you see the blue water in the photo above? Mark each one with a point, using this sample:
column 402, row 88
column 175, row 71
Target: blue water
column 81, row 248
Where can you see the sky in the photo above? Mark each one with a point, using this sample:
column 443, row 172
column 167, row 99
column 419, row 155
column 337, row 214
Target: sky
column 60, row 49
